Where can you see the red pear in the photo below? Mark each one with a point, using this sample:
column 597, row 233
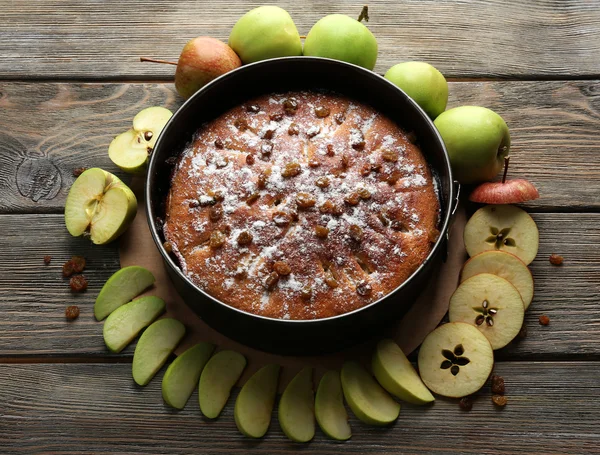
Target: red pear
column 505, row 192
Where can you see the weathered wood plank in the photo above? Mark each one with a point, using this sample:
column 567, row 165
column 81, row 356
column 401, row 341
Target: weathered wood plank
column 76, row 408
column 33, row 296
column 47, row 130
column 104, row 39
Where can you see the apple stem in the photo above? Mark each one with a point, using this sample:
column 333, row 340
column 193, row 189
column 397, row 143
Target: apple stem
column 506, row 160
column 302, row 36
column 364, row 14
column 153, row 60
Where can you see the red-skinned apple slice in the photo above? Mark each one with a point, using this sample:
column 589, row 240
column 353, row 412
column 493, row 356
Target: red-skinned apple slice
column 505, row 192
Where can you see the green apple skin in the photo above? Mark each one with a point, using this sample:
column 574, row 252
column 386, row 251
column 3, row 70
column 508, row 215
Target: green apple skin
column 396, row 374
column 202, row 60
column 265, row 32
column 423, row 83
column 121, row 287
column 297, row 408
column 182, row 376
column 477, row 140
column 123, row 324
column 329, row 407
column 218, row 377
column 340, row 37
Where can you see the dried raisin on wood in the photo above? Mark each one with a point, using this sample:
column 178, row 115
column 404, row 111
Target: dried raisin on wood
column 556, row 259
column 47, row 259
column 498, row 384
column 72, row 312
column 78, row 283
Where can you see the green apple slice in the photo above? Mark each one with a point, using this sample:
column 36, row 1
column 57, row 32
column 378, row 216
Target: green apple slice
column 455, row 360
column 154, row 348
column 124, row 324
column 218, row 377
column 502, row 227
column 254, row 404
column 100, row 205
column 396, row 374
column 121, row 287
column 297, row 408
column 367, row 399
column 181, row 378
column 130, row 150
column 504, row 265
column 329, row 407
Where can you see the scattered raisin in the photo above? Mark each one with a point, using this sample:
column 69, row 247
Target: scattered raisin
column 207, row 201
column 68, row 269
column 352, row 198
column 358, row 143
column 322, row 111
column 168, row 246
column 313, row 131
column 556, row 259
column 393, row 177
column 293, row 129
column 263, row 178
column 47, row 259
column 219, row 143
column 498, row 384
column 240, row 274
column 365, row 169
column 327, row 207
column 321, row 231
column 330, row 150
column 345, row 160
column 355, row 232
column 282, row 268
column 290, row 106
column 72, row 312
column 363, row 288
column 291, row 170
column 322, row 182
column 215, row 213
column 330, row 279
column 282, row 218
column 245, row 238
column 193, row 204
column 253, row 198
column 250, row 159
column 306, row 293
column 268, row 134
column 272, row 281
column 276, row 117
column 218, row 195
column 78, row 171
column 339, row 118
column 266, row 149
column 253, row 108
column 217, row 239
column 499, row 400
column 305, row 200
column 241, row 124
column 364, row 193
column 544, row 320
column 389, row 155
column 78, row 264
column 78, row 283
column 383, row 219
column 466, row 403
column 314, row 163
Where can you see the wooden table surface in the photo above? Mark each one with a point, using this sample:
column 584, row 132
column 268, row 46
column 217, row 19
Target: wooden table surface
column 70, row 81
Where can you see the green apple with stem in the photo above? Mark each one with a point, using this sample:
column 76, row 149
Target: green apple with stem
column 297, row 408
column 218, row 377
column 477, row 140
column 329, row 407
column 100, row 205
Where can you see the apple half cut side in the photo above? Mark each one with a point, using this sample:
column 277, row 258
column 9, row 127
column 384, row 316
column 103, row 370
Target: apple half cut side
column 217, row 379
column 297, row 408
column 99, row 204
column 329, row 407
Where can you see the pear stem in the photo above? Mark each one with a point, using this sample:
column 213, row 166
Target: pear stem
column 302, row 36
column 364, row 14
column 506, row 161
column 153, row 60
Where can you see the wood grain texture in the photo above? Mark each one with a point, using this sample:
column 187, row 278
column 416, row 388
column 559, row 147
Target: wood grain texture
column 33, row 296
column 48, row 129
column 104, row 39
column 68, row 409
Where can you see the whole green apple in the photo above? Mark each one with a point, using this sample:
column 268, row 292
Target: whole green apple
column 340, row 37
column 477, row 140
column 423, row 83
column 265, row 32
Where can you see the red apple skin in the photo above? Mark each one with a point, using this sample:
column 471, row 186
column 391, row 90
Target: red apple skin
column 202, row 60
column 509, row 192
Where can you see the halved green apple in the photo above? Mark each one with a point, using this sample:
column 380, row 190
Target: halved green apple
column 123, row 324
column 297, row 408
column 130, row 150
column 254, row 404
column 218, row 377
column 329, row 407
column 154, row 348
column 121, row 287
column 396, row 374
column 181, row 378
column 367, row 399
column 99, row 204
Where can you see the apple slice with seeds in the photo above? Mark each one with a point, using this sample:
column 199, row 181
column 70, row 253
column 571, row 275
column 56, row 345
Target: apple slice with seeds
column 504, row 265
column 218, row 377
column 329, row 407
column 124, row 324
column 455, row 360
column 153, row 349
column 491, row 304
column 181, row 378
column 297, row 408
column 502, row 227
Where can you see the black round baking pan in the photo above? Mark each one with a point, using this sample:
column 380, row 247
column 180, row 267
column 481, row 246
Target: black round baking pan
column 280, row 75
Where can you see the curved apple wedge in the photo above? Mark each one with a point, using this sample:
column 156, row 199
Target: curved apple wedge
column 297, row 408
column 121, row 287
column 508, row 192
column 99, row 204
column 181, row 378
column 254, row 404
column 123, row 324
column 367, row 399
column 329, row 407
column 217, row 379
column 396, row 374
column 154, row 348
